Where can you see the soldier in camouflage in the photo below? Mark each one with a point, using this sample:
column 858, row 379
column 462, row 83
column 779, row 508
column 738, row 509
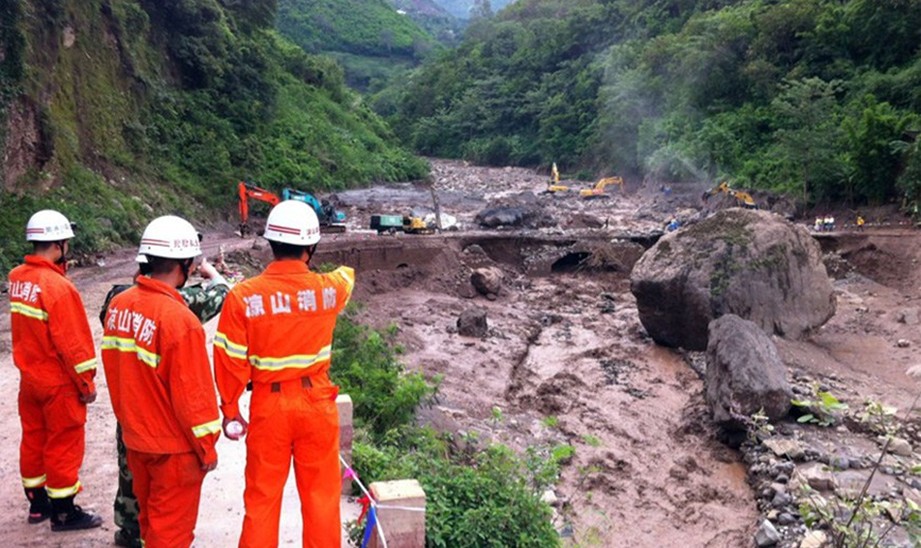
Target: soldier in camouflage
column 205, row 300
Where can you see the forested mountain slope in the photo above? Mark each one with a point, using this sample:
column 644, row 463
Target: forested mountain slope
column 819, row 97
column 462, row 8
column 368, row 37
column 115, row 111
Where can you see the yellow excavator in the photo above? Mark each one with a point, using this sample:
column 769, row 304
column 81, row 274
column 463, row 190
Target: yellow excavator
column 553, row 185
column 597, row 191
column 744, row 198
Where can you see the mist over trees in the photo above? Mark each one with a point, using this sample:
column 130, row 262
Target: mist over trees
column 820, row 98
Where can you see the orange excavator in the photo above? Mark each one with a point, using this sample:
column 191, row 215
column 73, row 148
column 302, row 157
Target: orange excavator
column 247, row 191
column 330, row 219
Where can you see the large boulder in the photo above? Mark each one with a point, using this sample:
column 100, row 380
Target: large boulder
column 744, row 373
column 751, row 263
column 527, row 216
column 472, row 323
column 487, row 280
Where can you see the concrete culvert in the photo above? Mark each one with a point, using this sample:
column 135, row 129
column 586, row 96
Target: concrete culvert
column 571, row 262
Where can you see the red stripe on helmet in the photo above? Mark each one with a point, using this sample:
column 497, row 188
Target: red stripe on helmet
column 284, row 229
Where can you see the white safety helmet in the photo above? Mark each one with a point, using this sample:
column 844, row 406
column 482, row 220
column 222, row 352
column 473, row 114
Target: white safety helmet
column 292, row 222
column 48, row 225
column 169, row 237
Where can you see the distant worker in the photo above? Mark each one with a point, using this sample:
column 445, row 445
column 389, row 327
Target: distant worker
column 819, row 224
column 276, row 331
column 860, row 222
column 830, row 223
column 53, row 349
column 673, row 225
column 159, row 377
column 205, row 301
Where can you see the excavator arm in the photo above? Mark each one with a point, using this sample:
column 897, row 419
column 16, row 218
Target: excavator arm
column 247, row 191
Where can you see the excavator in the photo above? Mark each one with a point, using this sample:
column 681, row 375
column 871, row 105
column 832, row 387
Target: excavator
column 553, row 185
column 744, row 198
column 330, row 219
column 597, row 191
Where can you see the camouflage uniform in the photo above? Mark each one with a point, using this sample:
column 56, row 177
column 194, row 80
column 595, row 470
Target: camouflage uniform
column 206, row 303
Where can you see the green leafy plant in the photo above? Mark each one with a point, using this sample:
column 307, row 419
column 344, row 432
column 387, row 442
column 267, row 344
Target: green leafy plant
column 864, row 520
column 550, row 421
column 879, row 417
column 591, row 440
column 823, row 409
column 496, row 413
column 365, row 366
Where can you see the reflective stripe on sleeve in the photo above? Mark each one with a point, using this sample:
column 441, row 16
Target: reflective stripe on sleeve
column 347, row 277
column 211, row 427
column 31, row 483
column 64, row 492
column 297, row 361
column 229, row 347
column 88, row 365
column 29, row 311
column 124, row 344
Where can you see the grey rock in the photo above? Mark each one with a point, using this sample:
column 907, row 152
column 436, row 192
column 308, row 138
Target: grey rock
column 900, row 446
column 839, row 462
column 766, row 535
column 514, row 216
column 784, row 447
column 786, row 519
column 487, row 281
column 814, row 539
column 750, row 263
column 744, row 373
column 781, row 500
column 472, row 323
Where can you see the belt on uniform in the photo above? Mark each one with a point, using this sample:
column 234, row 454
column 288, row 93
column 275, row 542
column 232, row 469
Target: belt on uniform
column 305, row 383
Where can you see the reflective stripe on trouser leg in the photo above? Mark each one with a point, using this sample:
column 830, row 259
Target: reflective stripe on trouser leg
column 168, row 489
column 32, row 445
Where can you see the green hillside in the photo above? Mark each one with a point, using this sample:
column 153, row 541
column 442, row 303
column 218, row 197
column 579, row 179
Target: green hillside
column 817, row 97
column 368, row 37
column 116, row 111
column 463, row 8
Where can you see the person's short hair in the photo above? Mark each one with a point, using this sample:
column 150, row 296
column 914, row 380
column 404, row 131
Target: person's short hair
column 158, row 265
column 287, row 251
column 42, row 246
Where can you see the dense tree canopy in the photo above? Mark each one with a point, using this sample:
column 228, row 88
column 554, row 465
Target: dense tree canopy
column 820, row 97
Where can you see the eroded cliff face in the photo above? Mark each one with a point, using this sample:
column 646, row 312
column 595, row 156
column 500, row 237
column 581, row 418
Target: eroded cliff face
column 67, row 90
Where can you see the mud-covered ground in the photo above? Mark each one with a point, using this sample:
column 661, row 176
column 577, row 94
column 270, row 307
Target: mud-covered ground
column 565, row 359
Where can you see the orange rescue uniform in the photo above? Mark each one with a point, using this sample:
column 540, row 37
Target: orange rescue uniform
column 53, row 349
column 276, row 330
column 159, row 378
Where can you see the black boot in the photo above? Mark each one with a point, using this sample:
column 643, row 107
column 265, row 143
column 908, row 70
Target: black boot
column 39, row 504
column 69, row 517
column 128, row 538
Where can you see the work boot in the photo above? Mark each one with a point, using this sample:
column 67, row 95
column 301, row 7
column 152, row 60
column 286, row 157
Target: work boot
column 69, row 517
column 39, row 504
column 128, row 539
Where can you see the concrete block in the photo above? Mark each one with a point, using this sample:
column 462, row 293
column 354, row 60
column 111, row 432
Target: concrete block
column 401, row 512
column 346, row 433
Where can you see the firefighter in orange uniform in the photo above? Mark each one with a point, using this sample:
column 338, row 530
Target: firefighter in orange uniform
column 53, row 349
column 276, row 330
column 159, row 377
